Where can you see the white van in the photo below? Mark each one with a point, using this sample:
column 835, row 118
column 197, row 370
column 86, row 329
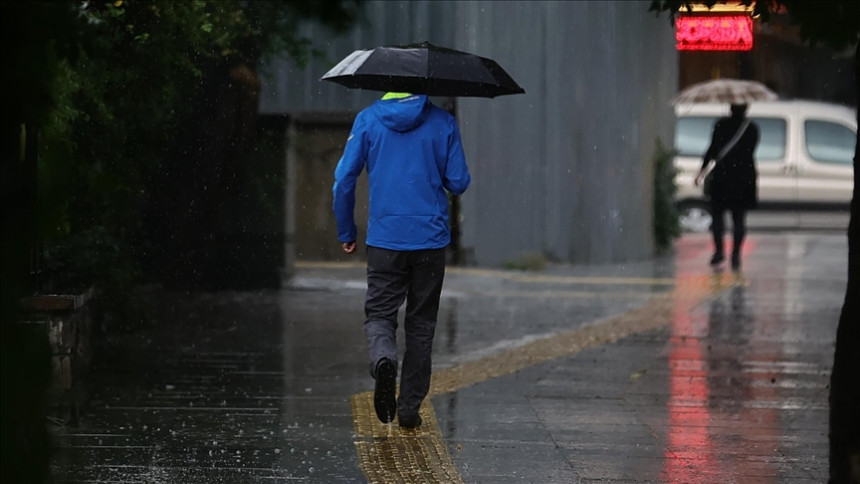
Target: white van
column 804, row 156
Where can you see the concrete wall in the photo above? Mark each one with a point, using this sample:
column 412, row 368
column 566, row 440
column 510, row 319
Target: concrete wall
column 316, row 146
column 63, row 325
column 564, row 170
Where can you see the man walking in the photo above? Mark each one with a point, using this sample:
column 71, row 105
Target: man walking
column 413, row 154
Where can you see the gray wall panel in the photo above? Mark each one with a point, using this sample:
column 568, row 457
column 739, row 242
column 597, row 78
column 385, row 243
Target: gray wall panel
column 288, row 88
column 565, row 169
column 504, row 137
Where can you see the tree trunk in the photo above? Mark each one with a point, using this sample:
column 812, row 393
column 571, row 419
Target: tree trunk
column 844, row 387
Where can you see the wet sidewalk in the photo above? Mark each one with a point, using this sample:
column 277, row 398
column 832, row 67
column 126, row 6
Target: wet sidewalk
column 661, row 371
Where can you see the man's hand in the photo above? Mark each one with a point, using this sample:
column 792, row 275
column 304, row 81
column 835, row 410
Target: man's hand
column 348, row 247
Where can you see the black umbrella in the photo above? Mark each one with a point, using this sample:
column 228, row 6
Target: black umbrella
column 423, row 69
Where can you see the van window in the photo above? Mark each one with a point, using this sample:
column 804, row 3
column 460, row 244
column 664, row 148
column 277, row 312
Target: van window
column 828, row 142
column 693, row 136
column 771, row 140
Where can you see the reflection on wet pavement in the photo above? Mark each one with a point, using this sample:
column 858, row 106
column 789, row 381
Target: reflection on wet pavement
column 652, row 372
column 735, row 392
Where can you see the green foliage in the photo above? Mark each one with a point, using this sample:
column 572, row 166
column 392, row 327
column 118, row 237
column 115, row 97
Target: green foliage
column 666, row 225
column 108, row 87
column 91, row 254
column 528, row 261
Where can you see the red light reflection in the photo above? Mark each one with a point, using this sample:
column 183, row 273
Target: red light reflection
column 712, row 432
column 689, row 454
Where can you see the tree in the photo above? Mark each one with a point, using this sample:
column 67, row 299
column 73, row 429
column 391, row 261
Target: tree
column 835, row 24
column 94, row 98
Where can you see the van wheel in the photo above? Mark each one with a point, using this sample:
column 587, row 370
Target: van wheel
column 694, row 217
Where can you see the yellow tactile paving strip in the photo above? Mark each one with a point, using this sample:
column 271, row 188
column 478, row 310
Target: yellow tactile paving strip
column 389, row 454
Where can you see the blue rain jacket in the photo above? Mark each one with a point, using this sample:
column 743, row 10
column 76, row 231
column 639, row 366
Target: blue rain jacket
column 413, row 153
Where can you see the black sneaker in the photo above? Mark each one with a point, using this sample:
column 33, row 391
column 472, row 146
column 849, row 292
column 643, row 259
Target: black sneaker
column 384, row 401
column 717, row 259
column 736, row 262
column 410, row 422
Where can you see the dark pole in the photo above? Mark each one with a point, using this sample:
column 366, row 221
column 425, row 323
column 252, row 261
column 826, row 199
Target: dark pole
column 456, row 250
column 844, row 387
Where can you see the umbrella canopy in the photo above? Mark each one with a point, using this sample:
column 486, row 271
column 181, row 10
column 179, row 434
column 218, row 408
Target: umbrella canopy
column 731, row 91
column 423, row 69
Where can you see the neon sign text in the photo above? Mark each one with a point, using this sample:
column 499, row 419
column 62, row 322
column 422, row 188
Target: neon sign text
column 713, row 32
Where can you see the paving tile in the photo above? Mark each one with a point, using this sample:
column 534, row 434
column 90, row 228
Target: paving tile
column 726, row 379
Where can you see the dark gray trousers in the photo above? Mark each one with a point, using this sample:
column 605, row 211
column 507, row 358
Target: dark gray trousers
column 718, row 227
column 393, row 276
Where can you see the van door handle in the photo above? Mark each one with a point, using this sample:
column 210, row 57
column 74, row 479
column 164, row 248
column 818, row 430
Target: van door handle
column 789, row 169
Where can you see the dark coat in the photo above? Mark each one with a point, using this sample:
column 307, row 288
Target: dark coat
column 735, row 178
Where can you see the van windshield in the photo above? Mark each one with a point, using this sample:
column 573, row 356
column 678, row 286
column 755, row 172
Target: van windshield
column 693, row 135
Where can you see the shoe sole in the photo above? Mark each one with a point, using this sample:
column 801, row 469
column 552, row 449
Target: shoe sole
column 410, row 423
column 384, row 401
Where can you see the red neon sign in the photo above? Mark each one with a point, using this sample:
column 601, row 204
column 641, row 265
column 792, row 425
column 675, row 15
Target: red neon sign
column 714, row 32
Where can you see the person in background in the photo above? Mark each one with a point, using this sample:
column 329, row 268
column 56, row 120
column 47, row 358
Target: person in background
column 413, row 154
column 734, row 183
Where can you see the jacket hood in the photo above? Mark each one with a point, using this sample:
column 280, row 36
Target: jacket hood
column 404, row 114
